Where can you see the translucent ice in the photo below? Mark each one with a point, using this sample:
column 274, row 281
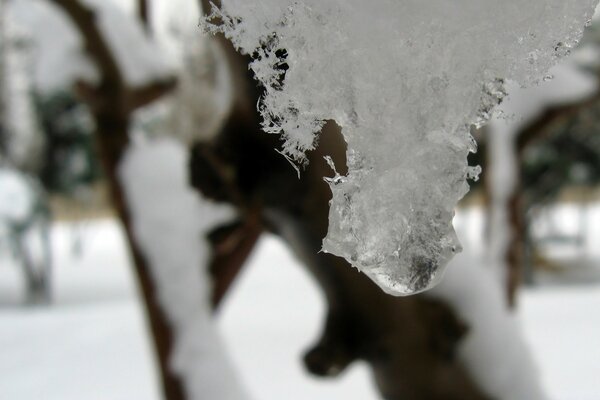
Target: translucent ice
column 405, row 80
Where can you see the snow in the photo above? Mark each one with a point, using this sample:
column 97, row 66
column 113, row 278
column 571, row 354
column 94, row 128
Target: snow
column 198, row 107
column 493, row 351
column 563, row 331
column 57, row 57
column 404, row 80
column 134, row 50
column 174, row 23
column 170, row 222
column 93, row 339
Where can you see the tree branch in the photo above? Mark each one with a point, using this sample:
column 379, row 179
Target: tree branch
column 552, row 116
column 111, row 103
column 84, row 20
column 144, row 14
column 142, row 96
column 231, row 246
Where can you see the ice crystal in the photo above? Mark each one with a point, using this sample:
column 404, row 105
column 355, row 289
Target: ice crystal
column 405, row 80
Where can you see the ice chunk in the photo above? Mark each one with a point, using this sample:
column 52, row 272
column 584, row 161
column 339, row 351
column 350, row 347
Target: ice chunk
column 405, row 80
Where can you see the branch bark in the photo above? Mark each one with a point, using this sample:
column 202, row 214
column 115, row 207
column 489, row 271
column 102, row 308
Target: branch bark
column 552, row 116
column 144, row 14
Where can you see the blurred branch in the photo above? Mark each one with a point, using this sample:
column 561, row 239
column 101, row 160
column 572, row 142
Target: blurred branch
column 133, row 98
column 545, row 124
column 551, row 117
column 84, row 20
column 142, row 96
column 111, row 103
column 144, row 14
column 113, row 91
column 231, row 246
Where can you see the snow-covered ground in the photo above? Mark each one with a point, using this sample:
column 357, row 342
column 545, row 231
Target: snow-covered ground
column 91, row 343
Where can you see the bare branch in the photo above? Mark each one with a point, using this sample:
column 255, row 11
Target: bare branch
column 139, row 97
column 144, row 14
column 552, row 117
column 231, row 247
column 85, row 21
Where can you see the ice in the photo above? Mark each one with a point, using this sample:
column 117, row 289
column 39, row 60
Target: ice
column 405, row 81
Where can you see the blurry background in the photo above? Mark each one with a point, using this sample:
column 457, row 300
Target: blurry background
column 70, row 317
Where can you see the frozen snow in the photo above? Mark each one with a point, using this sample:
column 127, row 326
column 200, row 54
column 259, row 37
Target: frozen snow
column 170, row 222
column 405, row 80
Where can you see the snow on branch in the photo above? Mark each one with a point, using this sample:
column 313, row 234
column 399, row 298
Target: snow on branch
column 405, row 80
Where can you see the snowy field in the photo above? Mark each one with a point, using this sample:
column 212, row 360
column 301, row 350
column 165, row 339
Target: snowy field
column 91, row 343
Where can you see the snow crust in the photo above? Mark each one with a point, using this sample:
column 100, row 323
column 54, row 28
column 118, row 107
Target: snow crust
column 170, row 222
column 405, row 81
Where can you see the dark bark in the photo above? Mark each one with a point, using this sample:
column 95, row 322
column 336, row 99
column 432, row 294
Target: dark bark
column 231, row 247
column 144, row 14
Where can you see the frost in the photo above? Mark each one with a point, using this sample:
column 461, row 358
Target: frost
column 405, row 81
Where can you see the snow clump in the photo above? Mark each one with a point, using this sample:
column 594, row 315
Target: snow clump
column 405, row 80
